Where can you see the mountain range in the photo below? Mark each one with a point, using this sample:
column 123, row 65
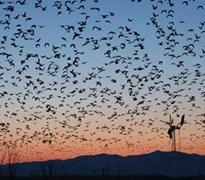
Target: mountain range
column 172, row 164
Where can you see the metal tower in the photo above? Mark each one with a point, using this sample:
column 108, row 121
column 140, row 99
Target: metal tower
column 172, row 132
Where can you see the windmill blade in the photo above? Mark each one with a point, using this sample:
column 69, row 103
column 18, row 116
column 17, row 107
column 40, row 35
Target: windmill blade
column 170, row 133
column 171, row 129
column 170, row 120
column 182, row 119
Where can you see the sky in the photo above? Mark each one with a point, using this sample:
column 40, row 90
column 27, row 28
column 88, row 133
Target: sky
column 88, row 77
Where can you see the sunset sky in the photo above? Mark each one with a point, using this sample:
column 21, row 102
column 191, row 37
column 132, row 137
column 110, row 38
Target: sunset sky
column 85, row 77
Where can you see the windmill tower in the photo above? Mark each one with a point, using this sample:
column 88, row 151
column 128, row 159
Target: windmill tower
column 172, row 132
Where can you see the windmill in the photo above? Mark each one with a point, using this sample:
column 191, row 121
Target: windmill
column 172, row 133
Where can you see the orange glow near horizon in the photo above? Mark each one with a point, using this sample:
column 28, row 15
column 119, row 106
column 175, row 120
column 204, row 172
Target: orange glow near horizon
column 96, row 145
column 102, row 137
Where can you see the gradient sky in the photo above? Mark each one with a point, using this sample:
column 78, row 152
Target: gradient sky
column 90, row 77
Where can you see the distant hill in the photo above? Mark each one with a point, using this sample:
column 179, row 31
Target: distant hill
column 172, row 164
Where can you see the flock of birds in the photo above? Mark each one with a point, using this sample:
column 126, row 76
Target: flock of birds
column 80, row 78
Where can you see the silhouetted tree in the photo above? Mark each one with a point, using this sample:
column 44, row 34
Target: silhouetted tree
column 13, row 160
column 3, row 157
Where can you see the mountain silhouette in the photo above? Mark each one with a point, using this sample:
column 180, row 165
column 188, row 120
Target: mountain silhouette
column 171, row 164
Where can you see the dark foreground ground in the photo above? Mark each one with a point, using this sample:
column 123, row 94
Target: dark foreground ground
column 131, row 177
